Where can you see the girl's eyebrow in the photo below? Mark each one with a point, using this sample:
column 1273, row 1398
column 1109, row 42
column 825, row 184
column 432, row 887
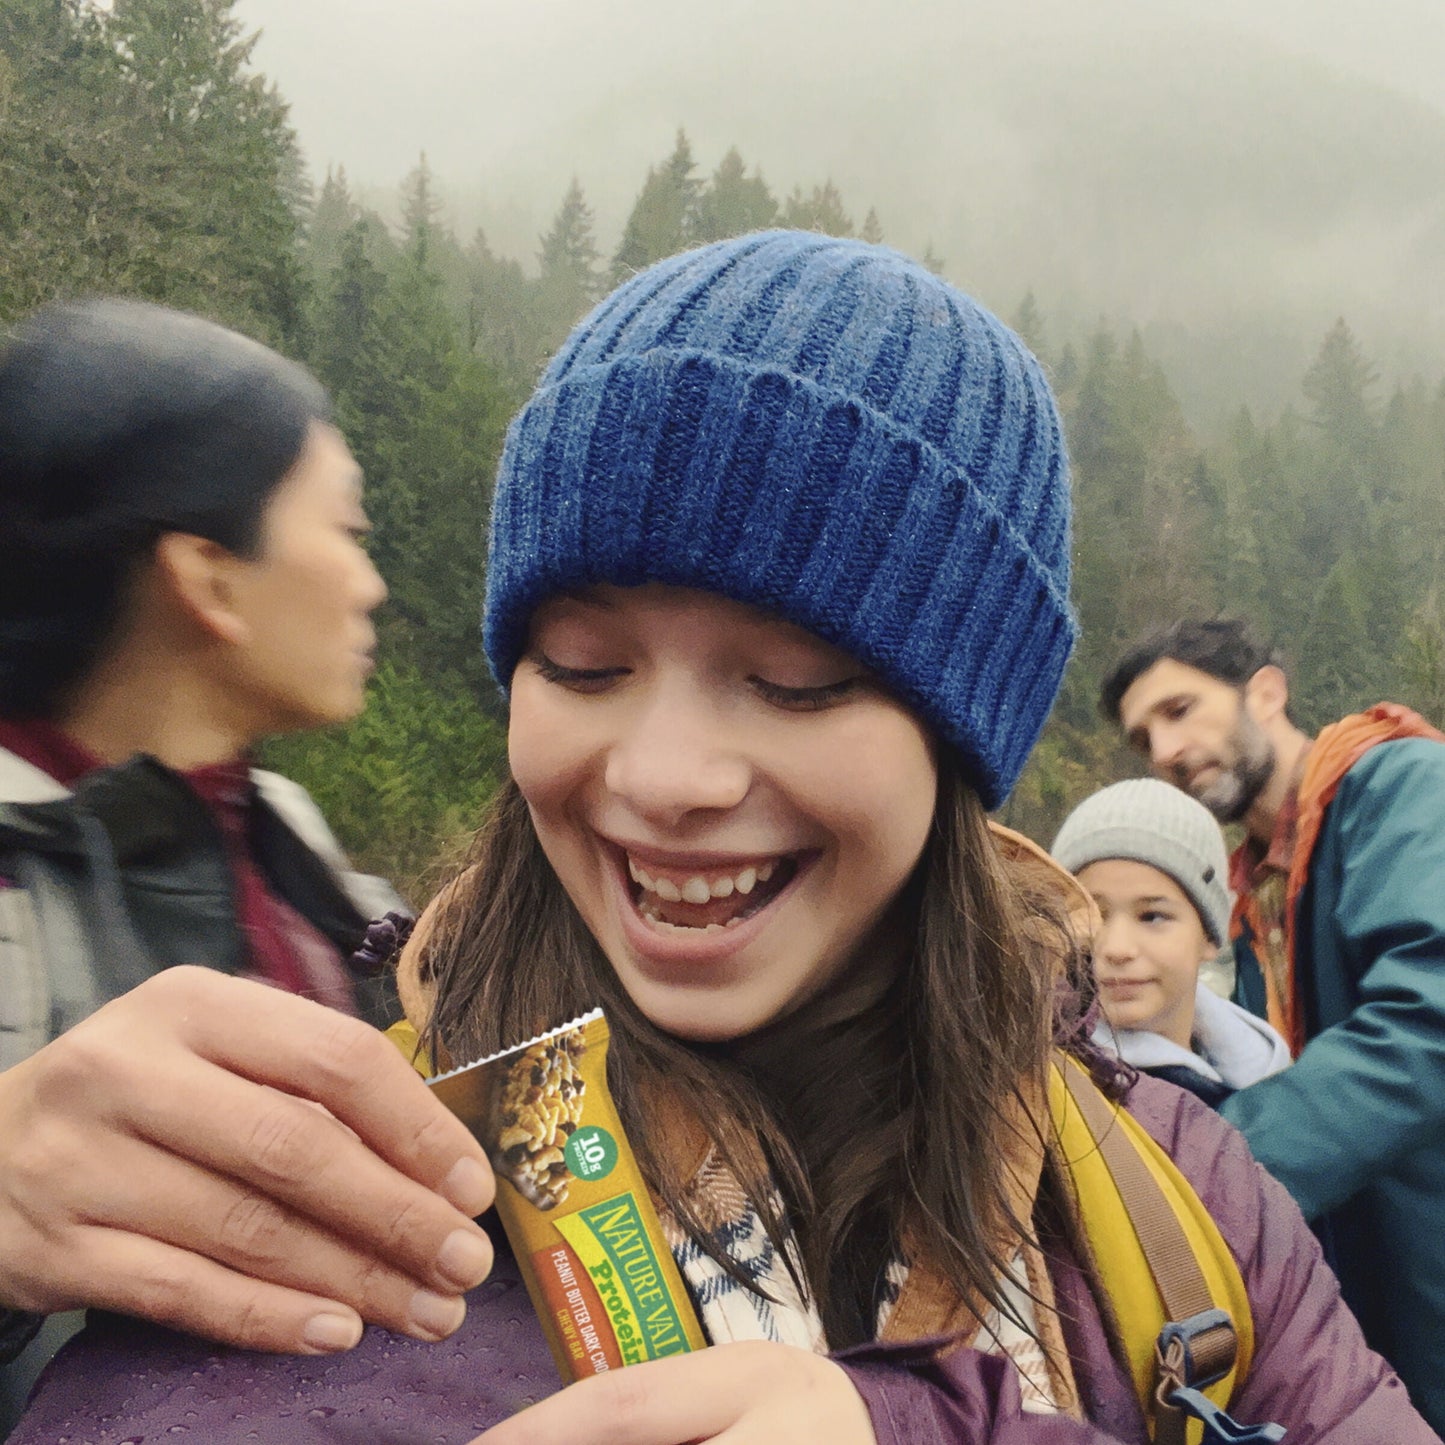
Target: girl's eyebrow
column 562, row 601
column 586, row 597
column 781, row 624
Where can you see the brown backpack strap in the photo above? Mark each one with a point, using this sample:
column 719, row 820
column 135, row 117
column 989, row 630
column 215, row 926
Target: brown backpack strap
column 1198, row 1344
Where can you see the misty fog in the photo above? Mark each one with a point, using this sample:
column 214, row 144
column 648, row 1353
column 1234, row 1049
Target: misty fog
column 1205, row 173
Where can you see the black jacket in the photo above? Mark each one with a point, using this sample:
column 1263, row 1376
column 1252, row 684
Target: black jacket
column 102, row 887
column 128, row 874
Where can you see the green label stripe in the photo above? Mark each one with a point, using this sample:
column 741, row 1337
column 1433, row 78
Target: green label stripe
column 610, row 1240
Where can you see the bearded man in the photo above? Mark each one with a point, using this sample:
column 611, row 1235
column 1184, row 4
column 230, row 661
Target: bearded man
column 1339, row 939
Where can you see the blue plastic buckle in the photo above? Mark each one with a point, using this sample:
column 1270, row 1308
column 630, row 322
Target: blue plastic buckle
column 1186, row 1332
column 1219, row 1429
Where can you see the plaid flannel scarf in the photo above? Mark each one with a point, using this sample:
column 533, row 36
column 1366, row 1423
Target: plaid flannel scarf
column 915, row 1303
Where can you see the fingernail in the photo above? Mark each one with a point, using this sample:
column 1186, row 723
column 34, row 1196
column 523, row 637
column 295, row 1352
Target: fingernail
column 464, row 1258
column 326, row 1334
column 435, row 1316
column 468, row 1187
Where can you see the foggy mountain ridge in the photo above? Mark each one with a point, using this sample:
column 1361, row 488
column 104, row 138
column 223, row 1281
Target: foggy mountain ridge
column 1122, row 161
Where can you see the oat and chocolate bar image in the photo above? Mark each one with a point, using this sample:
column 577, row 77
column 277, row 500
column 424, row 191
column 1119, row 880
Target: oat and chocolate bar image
column 536, row 1108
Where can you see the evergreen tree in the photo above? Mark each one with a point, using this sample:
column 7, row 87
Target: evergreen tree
column 1422, row 663
column 1066, row 374
column 663, row 218
column 425, row 415
column 733, row 202
column 428, row 245
column 220, row 161
column 569, row 281
column 59, row 95
column 348, row 347
column 377, row 237
column 142, row 156
column 1338, row 515
column 332, row 217
column 872, row 231
column 1141, row 513
column 1338, row 386
column 421, row 210
column 1278, row 475
column 1235, row 551
column 1092, row 419
column 1028, row 321
column 568, row 250
column 1412, row 461
column 419, row 324
column 821, row 211
column 425, row 411
column 440, row 470
column 1336, row 660
column 499, row 323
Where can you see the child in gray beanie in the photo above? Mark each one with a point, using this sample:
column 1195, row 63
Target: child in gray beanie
column 1153, row 859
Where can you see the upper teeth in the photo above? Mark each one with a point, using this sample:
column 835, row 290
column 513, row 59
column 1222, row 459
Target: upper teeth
column 698, row 889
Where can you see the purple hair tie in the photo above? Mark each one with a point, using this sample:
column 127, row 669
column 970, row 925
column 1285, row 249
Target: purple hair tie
column 385, row 938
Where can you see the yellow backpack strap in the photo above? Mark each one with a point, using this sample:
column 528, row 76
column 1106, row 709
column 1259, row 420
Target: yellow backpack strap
column 406, row 1038
column 1176, row 1289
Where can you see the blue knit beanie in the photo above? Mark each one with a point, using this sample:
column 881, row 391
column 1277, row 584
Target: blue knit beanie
column 824, row 430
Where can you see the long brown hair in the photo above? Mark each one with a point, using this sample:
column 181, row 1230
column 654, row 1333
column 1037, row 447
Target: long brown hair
column 878, row 1118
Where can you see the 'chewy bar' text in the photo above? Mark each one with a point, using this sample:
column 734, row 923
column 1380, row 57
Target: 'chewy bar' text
column 573, row 1201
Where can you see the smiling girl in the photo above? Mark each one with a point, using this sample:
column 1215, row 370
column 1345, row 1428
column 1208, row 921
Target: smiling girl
column 1153, row 861
column 778, row 592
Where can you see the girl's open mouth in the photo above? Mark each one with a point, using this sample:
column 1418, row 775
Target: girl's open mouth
column 672, row 900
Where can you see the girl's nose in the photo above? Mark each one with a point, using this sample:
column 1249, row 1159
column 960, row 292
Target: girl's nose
column 675, row 757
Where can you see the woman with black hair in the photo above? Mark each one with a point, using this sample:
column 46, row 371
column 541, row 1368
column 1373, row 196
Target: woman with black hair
column 181, row 575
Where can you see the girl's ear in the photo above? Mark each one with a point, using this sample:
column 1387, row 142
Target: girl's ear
column 200, row 576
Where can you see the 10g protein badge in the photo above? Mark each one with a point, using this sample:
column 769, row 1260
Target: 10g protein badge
column 573, row 1202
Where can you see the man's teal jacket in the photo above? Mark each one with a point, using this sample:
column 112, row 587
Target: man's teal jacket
column 1355, row 1129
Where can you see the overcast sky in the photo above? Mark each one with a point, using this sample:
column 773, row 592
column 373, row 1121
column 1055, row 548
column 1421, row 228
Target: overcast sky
column 511, row 96
column 1238, row 164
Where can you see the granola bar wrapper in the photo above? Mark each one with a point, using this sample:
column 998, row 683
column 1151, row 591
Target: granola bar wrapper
column 573, row 1202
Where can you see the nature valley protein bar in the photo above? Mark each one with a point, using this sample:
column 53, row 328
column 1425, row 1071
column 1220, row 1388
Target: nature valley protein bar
column 573, row 1201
